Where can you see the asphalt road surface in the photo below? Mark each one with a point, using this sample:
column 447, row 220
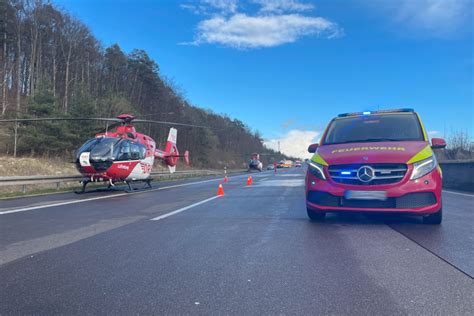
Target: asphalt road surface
column 178, row 249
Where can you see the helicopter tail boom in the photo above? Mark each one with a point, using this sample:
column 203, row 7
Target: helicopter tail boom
column 171, row 154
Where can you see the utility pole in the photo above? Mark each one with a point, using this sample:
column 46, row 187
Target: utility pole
column 278, row 146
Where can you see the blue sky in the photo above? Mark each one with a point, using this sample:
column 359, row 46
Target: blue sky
column 286, row 67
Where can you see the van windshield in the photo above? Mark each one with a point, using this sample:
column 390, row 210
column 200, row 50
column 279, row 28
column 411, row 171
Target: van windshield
column 374, row 128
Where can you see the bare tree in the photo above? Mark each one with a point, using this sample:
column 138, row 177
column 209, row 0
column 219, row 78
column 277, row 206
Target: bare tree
column 19, row 7
column 34, row 39
column 4, row 76
column 460, row 146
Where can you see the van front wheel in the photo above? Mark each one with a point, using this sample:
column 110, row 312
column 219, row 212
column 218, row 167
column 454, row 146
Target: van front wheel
column 316, row 216
column 434, row 219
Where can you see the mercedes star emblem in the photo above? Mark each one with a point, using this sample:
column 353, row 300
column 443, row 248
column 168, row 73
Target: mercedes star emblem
column 365, row 173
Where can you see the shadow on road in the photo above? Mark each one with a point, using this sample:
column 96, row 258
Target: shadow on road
column 364, row 218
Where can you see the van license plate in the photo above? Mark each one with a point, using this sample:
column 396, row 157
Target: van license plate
column 365, row 195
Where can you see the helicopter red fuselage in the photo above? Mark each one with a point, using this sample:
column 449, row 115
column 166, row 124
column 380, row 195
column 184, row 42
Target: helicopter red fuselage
column 124, row 155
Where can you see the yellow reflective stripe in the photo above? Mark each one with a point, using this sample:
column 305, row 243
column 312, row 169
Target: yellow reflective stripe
column 425, row 135
column 423, row 154
column 318, row 159
column 440, row 171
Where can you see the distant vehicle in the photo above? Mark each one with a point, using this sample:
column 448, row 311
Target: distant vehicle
column 375, row 161
column 255, row 163
column 285, row 164
column 297, row 163
column 270, row 167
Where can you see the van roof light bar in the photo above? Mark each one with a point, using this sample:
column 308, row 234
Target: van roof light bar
column 375, row 112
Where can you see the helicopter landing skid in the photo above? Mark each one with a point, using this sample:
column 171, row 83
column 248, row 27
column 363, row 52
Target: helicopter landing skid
column 132, row 189
column 112, row 187
column 83, row 187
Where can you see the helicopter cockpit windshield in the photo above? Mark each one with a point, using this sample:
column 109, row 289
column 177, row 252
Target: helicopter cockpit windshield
column 112, row 149
column 104, row 149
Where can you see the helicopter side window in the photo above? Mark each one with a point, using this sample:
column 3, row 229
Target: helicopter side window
column 138, row 151
column 124, row 151
column 142, row 152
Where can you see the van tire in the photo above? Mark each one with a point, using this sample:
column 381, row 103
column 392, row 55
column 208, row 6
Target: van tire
column 316, row 216
column 434, row 219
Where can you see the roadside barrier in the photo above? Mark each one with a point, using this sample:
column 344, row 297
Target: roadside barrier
column 458, row 174
column 25, row 181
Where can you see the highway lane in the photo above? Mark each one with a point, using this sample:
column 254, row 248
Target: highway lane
column 252, row 251
column 50, row 227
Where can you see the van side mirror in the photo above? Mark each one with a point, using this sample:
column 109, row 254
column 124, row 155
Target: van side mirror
column 312, row 148
column 438, row 143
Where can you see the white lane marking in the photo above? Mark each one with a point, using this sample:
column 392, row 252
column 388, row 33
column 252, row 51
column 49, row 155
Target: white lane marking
column 458, row 193
column 281, row 183
column 183, row 209
column 31, row 208
column 24, row 209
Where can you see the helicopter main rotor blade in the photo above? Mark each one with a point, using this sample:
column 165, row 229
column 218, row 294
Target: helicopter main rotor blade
column 170, row 123
column 38, row 119
column 132, row 121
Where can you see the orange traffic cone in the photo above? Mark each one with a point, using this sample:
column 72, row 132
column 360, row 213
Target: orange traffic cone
column 249, row 180
column 220, row 190
column 226, row 179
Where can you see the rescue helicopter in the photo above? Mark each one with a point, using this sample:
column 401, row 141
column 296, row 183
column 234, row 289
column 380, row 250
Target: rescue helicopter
column 123, row 155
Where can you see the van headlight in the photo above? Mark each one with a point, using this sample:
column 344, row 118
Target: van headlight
column 423, row 167
column 317, row 170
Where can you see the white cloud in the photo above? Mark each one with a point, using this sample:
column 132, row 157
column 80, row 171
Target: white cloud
column 227, row 6
column 196, row 9
column 280, row 6
column 295, row 143
column 433, row 17
column 433, row 133
column 276, row 22
column 243, row 31
column 211, row 6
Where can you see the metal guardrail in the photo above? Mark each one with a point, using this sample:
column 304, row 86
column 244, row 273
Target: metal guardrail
column 458, row 174
column 32, row 180
column 21, row 180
